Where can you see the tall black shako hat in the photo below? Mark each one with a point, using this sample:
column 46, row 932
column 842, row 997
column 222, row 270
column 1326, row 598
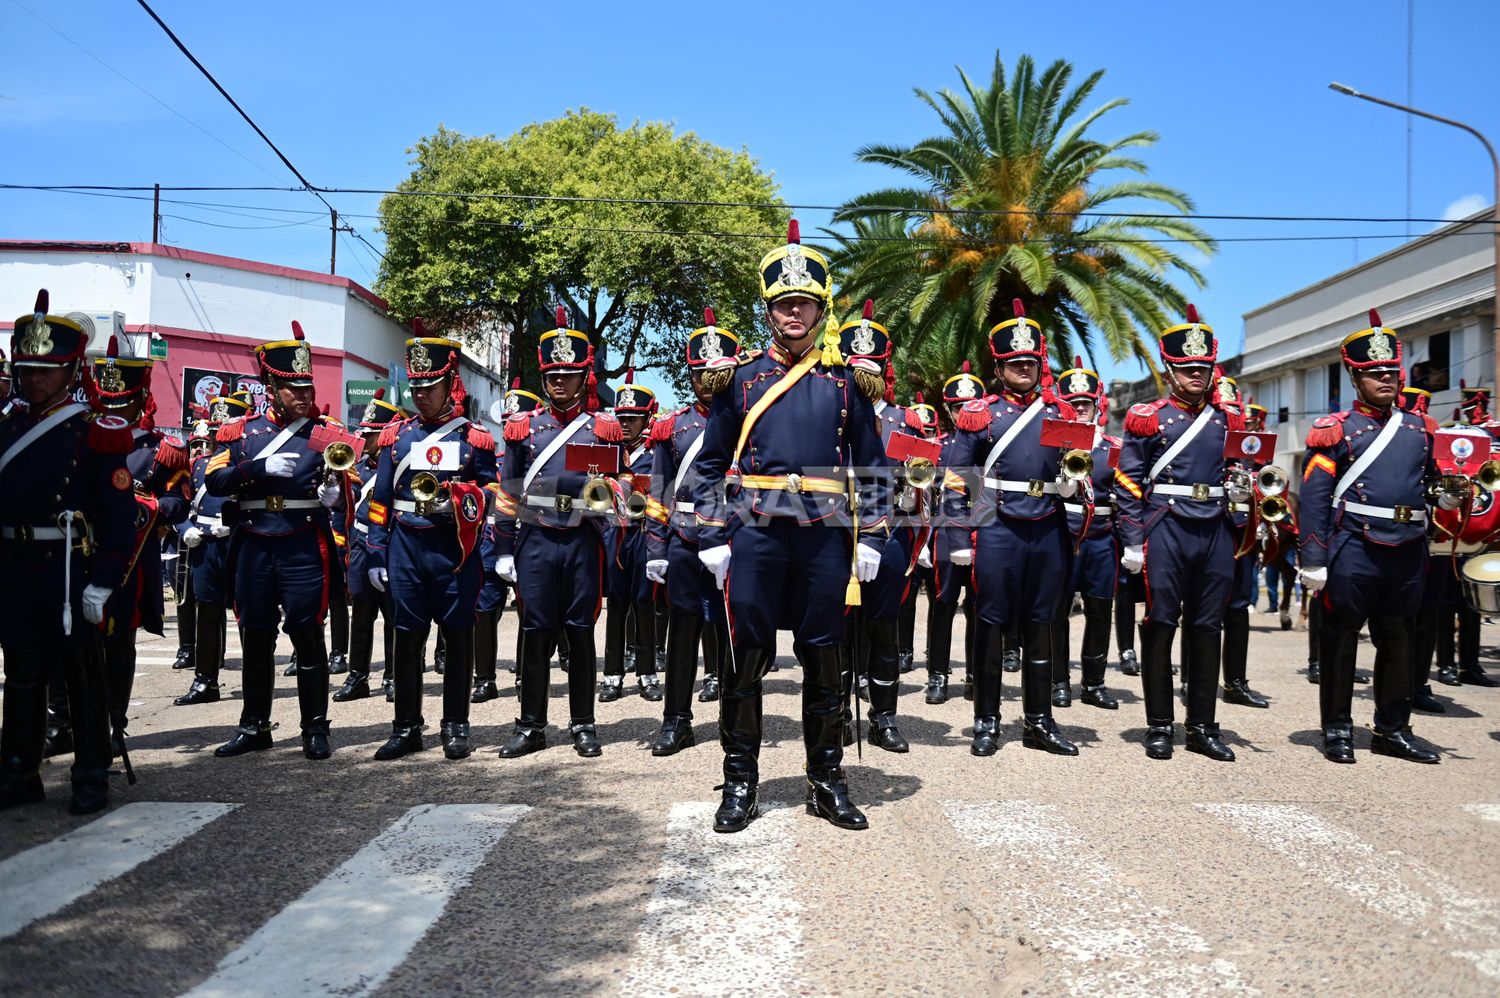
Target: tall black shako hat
column 43, row 340
column 119, row 381
column 632, row 399
column 288, row 361
column 378, row 412
column 1374, row 349
column 709, row 345
column 1189, row 344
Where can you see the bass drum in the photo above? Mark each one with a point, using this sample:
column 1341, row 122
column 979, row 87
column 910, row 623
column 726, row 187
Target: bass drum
column 1480, row 578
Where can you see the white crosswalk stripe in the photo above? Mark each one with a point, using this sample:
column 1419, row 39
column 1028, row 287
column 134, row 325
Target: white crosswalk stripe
column 1114, row 939
column 46, row 878
column 723, row 918
column 1386, row 881
column 393, row 889
column 1489, row 812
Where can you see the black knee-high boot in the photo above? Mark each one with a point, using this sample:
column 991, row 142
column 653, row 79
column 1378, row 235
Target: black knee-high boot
column 209, row 654
column 312, row 689
column 582, row 669
column 534, row 654
column 406, row 669
column 616, row 614
column 906, row 631
column 257, row 681
column 458, row 681
column 1203, row 687
column 362, row 613
column 1062, row 683
column 486, row 656
column 338, row 632
column 1156, row 687
column 1125, row 630
column 643, row 616
column 1236, row 656
column 187, row 631
column 1094, row 655
column 683, row 634
column 884, row 665
column 1039, row 730
column 939, row 649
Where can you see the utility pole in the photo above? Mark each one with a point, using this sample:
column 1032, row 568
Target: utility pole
column 156, row 214
column 1495, row 214
column 333, row 242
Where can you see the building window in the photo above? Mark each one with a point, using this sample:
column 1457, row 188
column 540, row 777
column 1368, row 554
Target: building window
column 1432, row 371
column 1335, row 384
column 1314, row 391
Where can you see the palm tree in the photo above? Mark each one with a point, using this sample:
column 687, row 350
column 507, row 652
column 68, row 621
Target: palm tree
column 1010, row 203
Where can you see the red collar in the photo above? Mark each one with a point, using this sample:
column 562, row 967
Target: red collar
column 1185, row 405
column 565, row 416
column 1374, row 412
column 1022, row 400
column 702, row 409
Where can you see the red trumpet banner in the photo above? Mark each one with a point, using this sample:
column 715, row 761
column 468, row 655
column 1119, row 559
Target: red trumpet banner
column 603, row 459
column 1246, row 445
column 1460, row 452
column 1069, row 434
column 323, row 435
column 905, row 447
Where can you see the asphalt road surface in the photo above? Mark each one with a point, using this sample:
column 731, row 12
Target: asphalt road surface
column 1024, row 873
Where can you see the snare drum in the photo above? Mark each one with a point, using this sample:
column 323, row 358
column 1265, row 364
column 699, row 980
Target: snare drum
column 1481, row 582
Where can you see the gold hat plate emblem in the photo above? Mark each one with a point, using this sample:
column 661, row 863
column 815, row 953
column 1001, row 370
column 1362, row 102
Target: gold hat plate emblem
column 302, row 360
column 965, row 389
column 419, row 358
column 1195, row 343
column 1380, row 346
column 1021, row 338
column 38, row 339
column 712, row 347
column 110, row 379
column 1078, row 383
column 562, row 349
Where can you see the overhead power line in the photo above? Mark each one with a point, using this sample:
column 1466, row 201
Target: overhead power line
column 768, row 205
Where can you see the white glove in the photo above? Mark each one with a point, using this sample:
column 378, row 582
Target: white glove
column 94, row 598
column 1067, row 487
column 505, row 567
column 331, row 494
column 281, row 465
column 1314, row 579
column 378, row 578
column 716, row 560
column 220, row 531
column 866, row 562
column 1133, row 560
column 963, row 557
column 924, row 556
column 192, row 537
column 656, row 570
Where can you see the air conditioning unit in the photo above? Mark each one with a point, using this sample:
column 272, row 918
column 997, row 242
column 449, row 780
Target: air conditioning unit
column 100, row 325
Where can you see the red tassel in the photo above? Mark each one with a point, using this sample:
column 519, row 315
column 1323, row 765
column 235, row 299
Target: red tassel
column 1327, row 431
column 380, row 393
column 607, row 429
column 171, row 455
column 914, row 420
column 517, row 427
column 389, row 433
column 515, row 385
column 1143, row 420
column 110, row 440
column 1066, row 410
column 662, row 429
column 232, row 430
column 480, row 438
column 973, row 416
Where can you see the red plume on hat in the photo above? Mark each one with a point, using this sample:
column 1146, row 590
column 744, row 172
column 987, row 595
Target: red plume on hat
column 869, row 312
column 1374, row 319
column 515, row 384
column 562, row 317
column 964, row 368
column 297, row 333
column 418, row 327
column 380, row 394
column 1192, row 314
column 43, row 302
column 113, row 350
column 709, row 319
column 629, row 375
column 793, row 232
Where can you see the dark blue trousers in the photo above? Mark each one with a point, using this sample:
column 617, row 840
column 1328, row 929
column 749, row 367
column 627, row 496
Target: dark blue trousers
column 285, row 579
column 1189, row 572
column 559, row 576
column 424, row 587
column 1019, row 568
column 783, row 575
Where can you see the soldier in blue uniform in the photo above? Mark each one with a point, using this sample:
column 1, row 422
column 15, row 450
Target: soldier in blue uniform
column 697, row 609
column 550, row 544
column 67, row 533
column 1175, row 525
column 1020, row 551
column 200, row 445
column 1096, row 564
column 283, row 558
column 1236, row 647
column 426, row 515
column 10, row 402
column 951, row 581
column 872, row 637
column 496, row 590
column 206, row 537
column 630, row 603
column 365, row 601
column 787, row 437
column 158, row 466
column 921, row 576
column 1364, row 543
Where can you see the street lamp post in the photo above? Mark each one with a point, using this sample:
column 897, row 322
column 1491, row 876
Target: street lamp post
column 1494, row 162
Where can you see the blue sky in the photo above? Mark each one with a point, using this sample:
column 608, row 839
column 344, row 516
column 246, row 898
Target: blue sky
column 1237, row 92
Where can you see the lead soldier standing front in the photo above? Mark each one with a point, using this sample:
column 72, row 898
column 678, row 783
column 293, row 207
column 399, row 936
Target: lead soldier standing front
column 1175, row 524
column 1364, row 542
column 66, row 530
column 787, row 437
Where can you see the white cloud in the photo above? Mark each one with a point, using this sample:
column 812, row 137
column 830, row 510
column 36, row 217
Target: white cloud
column 1465, row 206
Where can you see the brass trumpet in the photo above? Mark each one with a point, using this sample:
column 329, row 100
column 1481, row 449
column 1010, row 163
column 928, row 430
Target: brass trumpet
column 1078, row 465
column 338, row 457
column 920, row 472
column 1458, row 486
column 1488, row 476
column 1273, row 508
column 598, row 497
column 1272, row 481
column 635, row 505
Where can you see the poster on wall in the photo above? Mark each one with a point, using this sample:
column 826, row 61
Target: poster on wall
column 199, row 385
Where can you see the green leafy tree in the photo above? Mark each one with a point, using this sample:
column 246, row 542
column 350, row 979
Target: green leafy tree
column 635, row 276
column 1016, row 200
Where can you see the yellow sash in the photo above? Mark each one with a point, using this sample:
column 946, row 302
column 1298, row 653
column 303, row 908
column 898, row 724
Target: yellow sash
column 769, row 399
